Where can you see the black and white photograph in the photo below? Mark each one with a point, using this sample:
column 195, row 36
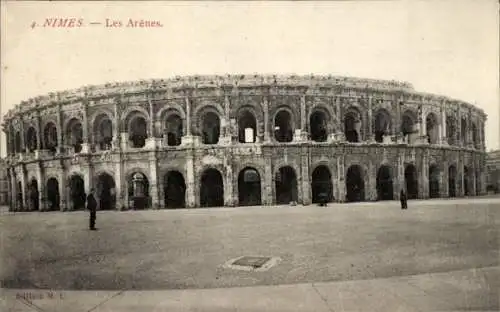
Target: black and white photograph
column 250, row 156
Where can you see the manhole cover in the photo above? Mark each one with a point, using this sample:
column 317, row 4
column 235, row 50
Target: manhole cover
column 252, row 263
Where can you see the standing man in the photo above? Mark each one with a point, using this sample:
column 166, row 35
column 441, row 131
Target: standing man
column 92, row 207
column 403, row 199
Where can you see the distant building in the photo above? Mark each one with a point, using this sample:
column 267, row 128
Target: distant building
column 493, row 171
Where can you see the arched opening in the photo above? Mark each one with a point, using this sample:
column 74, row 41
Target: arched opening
column 452, row 181
column 174, row 190
column 50, row 137
column 385, row 188
column 138, row 131
column 434, row 179
column 247, row 127
column 411, row 181
column 138, row 191
column 17, row 142
column 432, row 128
column 53, row 196
column 451, row 130
column 106, row 191
column 33, row 195
column 31, row 139
column 212, row 189
column 466, row 181
column 321, row 185
column 74, row 134
column 351, row 128
column 210, row 128
column 286, row 185
column 494, row 181
column 463, row 131
column 408, row 127
column 173, row 130
column 355, row 185
column 382, row 125
column 249, row 187
column 318, row 123
column 103, row 129
column 283, row 127
column 77, row 192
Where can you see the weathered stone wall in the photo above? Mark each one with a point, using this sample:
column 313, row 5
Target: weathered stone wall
column 370, row 103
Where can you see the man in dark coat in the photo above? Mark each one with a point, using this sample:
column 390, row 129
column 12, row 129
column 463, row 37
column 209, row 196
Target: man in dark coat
column 403, row 199
column 92, row 207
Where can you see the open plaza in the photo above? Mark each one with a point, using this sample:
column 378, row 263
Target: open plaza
column 440, row 254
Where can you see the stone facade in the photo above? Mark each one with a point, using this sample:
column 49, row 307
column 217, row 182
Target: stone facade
column 4, row 185
column 241, row 140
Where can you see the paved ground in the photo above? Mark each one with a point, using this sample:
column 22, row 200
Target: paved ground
column 467, row 290
column 374, row 249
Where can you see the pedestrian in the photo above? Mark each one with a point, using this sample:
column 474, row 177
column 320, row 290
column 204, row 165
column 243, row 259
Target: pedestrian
column 403, row 199
column 92, row 207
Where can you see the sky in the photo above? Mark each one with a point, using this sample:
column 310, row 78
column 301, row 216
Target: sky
column 444, row 47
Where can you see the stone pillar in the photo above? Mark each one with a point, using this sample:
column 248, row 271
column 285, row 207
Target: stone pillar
column 424, row 176
column 116, row 144
column 121, row 190
column 152, row 119
column 226, row 134
column 370, row 135
column 442, row 126
column 461, row 179
column 400, row 183
column 62, row 189
column 480, row 135
column 396, row 126
column 338, row 121
column 473, row 184
column 303, row 119
column 265, row 105
column 87, row 177
column 306, row 182
column 153, row 184
column 13, row 188
column 371, row 178
column 59, row 130
column 23, row 134
column 190, row 180
column 39, row 136
column 334, row 180
column 483, row 181
column 443, row 185
column 161, row 192
column 188, row 115
column 228, row 181
column 85, row 129
column 341, row 178
column 41, row 187
column 422, row 127
column 470, row 141
column 267, row 185
column 22, row 179
column 7, row 143
column 151, row 138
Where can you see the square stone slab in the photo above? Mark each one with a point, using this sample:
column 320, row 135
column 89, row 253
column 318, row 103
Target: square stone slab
column 252, row 263
column 255, row 262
